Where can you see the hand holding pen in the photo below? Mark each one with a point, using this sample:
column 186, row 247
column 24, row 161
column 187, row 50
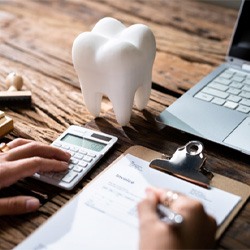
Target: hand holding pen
column 190, row 227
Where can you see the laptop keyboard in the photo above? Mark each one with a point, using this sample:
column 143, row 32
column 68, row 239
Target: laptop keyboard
column 230, row 89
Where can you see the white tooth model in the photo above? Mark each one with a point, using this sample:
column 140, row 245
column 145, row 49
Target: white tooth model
column 117, row 62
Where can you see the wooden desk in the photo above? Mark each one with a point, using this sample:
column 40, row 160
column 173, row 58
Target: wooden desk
column 36, row 39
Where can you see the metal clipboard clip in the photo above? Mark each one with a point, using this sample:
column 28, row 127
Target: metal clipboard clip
column 186, row 163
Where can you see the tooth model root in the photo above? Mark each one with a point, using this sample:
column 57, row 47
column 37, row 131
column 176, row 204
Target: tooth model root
column 122, row 109
column 93, row 102
column 116, row 62
column 142, row 95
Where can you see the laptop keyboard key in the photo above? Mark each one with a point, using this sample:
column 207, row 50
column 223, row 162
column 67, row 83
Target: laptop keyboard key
column 229, row 71
column 226, row 75
column 231, row 105
column 243, row 109
column 222, row 80
column 237, row 85
column 218, row 101
column 245, row 102
column 245, row 94
column 247, row 81
column 218, row 86
column 215, row 92
column 233, row 91
column 204, row 97
column 238, row 78
column 234, row 98
column 246, row 88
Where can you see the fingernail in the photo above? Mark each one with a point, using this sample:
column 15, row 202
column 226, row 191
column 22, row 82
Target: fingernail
column 67, row 154
column 32, row 204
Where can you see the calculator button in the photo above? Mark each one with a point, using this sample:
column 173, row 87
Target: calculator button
column 49, row 174
column 37, row 175
column 65, row 146
column 78, row 156
column 82, row 151
column 77, row 169
column 57, row 144
column 75, row 149
column 74, row 161
column 87, row 158
column 71, row 166
column 69, row 177
column 72, row 153
column 58, row 176
column 83, row 164
column 91, row 155
column 67, row 150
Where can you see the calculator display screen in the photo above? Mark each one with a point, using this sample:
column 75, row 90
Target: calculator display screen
column 83, row 142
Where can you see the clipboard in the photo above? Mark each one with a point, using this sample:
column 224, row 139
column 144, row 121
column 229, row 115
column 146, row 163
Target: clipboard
column 218, row 181
column 82, row 216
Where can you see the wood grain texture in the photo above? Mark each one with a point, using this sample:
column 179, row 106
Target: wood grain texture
column 36, row 39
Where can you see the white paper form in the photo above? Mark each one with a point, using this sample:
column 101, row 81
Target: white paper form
column 104, row 215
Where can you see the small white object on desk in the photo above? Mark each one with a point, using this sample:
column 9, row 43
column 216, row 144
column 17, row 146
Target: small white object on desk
column 14, row 81
column 14, row 96
column 117, row 62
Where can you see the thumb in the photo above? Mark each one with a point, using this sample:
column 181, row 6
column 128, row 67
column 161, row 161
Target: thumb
column 18, row 205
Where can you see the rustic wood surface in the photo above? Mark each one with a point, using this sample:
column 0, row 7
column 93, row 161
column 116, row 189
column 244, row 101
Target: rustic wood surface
column 36, row 39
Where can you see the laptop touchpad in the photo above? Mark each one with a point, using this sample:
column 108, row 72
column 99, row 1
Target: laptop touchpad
column 240, row 136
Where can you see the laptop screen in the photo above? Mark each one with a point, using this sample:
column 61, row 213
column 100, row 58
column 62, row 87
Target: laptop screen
column 240, row 47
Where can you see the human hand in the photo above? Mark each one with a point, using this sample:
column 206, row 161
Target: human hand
column 22, row 159
column 196, row 232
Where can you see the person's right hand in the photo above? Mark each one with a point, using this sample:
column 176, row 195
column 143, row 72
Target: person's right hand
column 24, row 158
column 196, row 232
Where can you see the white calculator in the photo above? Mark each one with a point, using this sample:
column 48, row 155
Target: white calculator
column 86, row 147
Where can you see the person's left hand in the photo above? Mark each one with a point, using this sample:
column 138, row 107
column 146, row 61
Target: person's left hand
column 22, row 159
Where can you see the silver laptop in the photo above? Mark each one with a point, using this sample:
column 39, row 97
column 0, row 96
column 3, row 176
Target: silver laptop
column 218, row 107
